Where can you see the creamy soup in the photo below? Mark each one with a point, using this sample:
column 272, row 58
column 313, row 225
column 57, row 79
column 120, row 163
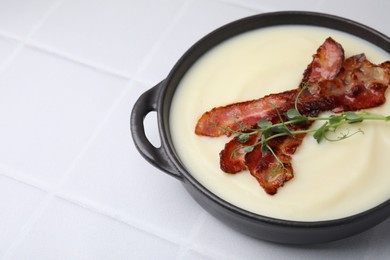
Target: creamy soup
column 332, row 179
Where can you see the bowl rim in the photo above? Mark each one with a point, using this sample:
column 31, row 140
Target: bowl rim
column 223, row 33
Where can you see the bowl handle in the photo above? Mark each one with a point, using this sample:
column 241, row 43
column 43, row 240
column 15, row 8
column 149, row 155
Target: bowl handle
column 157, row 156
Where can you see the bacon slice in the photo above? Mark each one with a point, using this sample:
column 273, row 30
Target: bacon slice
column 232, row 157
column 326, row 64
column 244, row 114
column 335, row 85
column 266, row 169
column 360, row 85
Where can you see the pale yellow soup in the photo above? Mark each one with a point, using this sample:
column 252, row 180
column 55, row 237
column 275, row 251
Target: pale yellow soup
column 332, row 179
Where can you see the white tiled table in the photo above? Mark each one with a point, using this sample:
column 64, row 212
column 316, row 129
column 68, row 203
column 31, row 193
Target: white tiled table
column 72, row 185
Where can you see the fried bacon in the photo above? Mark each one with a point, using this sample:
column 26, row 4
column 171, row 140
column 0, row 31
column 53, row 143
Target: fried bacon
column 266, row 169
column 334, row 85
column 232, row 157
column 360, row 85
column 326, row 64
column 247, row 113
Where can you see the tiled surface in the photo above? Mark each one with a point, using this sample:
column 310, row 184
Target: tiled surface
column 49, row 111
column 7, row 47
column 195, row 21
column 64, row 224
column 116, row 35
column 72, row 184
column 18, row 17
column 18, row 203
column 131, row 182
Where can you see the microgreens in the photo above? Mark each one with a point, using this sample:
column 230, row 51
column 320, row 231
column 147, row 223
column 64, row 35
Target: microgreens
column 332, row 123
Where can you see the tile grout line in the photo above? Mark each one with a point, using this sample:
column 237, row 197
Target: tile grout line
column 119, row 99
column 53, row 192
column 26, row 227
column 66, row 56
column 77, row 60
column 28, row 42
column 10, row 37
column 164, row 35
column 263, row 9
column 68, row 172
column 117, row 216
column 93, row 136
column 17, row 177
column 186, row 246
column 70, row 58
column 113, row 107
column 43, row 18
column 237, row 3
column 22, row 41
column 116, row 103
column 10, row 58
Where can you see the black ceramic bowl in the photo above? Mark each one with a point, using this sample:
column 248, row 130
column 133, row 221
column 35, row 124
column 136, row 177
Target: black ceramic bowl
column 165, row 158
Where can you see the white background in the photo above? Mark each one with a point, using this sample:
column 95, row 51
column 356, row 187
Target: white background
column 72, row 185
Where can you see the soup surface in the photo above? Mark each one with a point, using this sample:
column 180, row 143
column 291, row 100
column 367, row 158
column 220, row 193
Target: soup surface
column 331, row 179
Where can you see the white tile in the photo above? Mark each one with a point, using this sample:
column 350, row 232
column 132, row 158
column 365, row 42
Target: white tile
column 191, row 255
column 6, row 48
column 116, row 34
column 200, row 18
column 371, row 14
column 114, row 176
column 279, row 5
column 361, row 11
column 377, row 246
column 216, row 239
column 48, row 110
column 17, row 203
column 66, row 231
column 215, row 14
column 18, row 17
column 220, row 241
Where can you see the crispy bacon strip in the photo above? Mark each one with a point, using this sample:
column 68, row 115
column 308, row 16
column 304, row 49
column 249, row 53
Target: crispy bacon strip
column 266, row 169
column 360, row 85
column 246, row 114
column 232, row 157
column 325, row 65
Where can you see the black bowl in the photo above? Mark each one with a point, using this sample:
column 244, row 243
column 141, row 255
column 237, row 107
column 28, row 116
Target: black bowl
column 165, row 158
